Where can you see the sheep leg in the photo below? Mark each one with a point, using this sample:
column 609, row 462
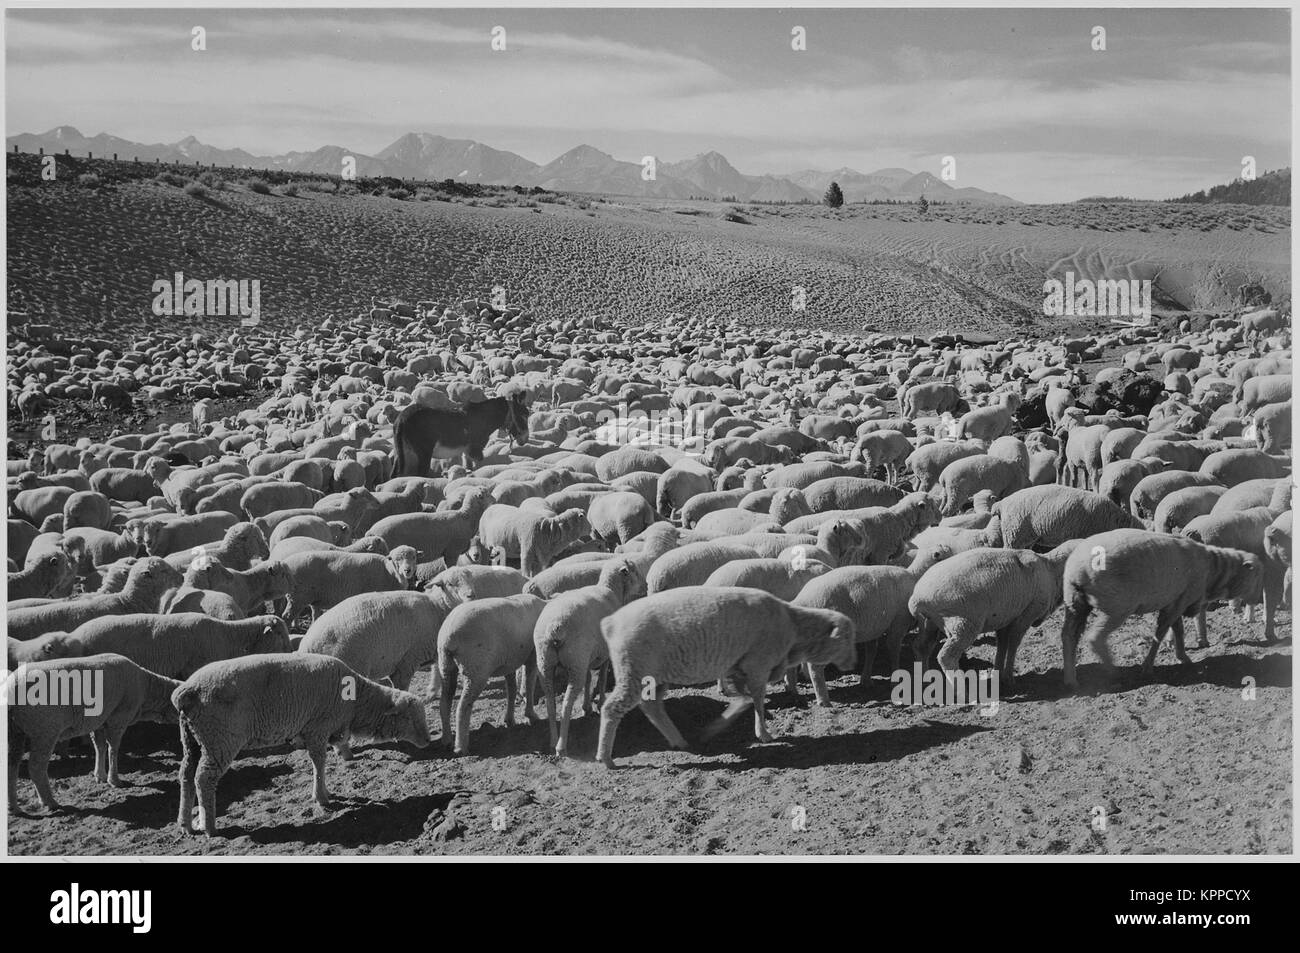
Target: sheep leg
column 601, row 680
column 530, row 691
column 316, row 751
column 99, row 738
column 658, row 716
column 1009, row 640
column 576, row 676
column 546, row 673
column 38, row 764
column 115, row 733
column 818, row 675
column 15, row 756
column 961, row 636
column 894, row 639
column 869, row 650
column 1074, row 621
column 1272, row 596
column 1202, row 630
column 189, row 763
column 1164, row 620
column 206, row 779
column 724, row 721
column 617, row 704
column 444, row 705
column 759, row 698
column 1180, row 649
column 512, row 686
column 472, row 689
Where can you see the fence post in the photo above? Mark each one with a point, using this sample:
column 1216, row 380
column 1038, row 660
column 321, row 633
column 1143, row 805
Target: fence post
column 89, row 154
column 114, row 156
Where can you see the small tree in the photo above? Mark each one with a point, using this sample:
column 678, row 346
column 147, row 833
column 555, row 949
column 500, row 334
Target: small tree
column 923, row 205
column 834, row 198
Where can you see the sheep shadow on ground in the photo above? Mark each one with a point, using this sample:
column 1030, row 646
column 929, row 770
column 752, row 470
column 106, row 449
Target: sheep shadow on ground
column 354, row 822
column 1223, row 671
column 158, row 809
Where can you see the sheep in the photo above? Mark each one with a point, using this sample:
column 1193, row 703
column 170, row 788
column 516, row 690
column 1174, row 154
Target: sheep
column 1275, row 494
column 567, row 575
column 36, row 504
column 179, row 644
column 928, row 461
column 241, row 545
column 123, row 694
column 217, row 605
column 126, row 485
column 1126, row 572
column 445, row 534
column 567, row 635
column 305, row 544
column 1044, row 517
column 479, row 582
column 312, row 527
column 699, row 634
column 734, row 522
column 849, row 493
column 146, row 583
column 249, row 588
column 874, row 535
column 678, row 484
column 1231, row 467
column 260, row 701
column 692, row 564
column 321, row 579
column 88, row 509
column 882, row 448
column 963, row 478
column 185, row 533
column 383, row 635
column 1006, row 591
column 53, row 572
column 1120, row 477
column 481, row 640
column 535, row 539
column 1277, row 545
column 619, row 516
column 1150, row 490
column 783, row 578
column 103, row 547
column 1242, row 530
column 1182, row 506
column 1273, row 428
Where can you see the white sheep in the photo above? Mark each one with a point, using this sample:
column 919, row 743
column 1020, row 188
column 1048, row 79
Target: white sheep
column 99, row 695
column 481, row 640
column 535, row 539
column 322, row 579
column 260, row 701
column 567, row 635
column 146, row 584
column 699, row 634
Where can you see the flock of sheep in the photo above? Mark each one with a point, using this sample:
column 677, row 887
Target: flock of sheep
column 696, row 502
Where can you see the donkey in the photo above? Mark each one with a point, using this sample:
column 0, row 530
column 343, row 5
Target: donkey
column 421, row 433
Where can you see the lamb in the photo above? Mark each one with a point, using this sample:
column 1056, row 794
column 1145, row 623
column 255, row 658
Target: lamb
column 619, row 516
column 124, row 693
column 1006, row 591
column 1126, row 572
column 383, row 635
column 783, row 578
column 699, row 634
column 535, row 539
column 259, row 701
column 481, row 640
column 178, row 645
column 50, row 574
column 875, row 598
column 445, row 534
column 321, row 579
column 1044, row 517
column 146, row 583
column 1242, row 530
column 567, row 635
column 250, row 588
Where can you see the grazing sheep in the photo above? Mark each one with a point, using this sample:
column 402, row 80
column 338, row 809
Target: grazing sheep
column 574, row 573
column 479, row 582
column 383, row 634
column 1231, row 467
column 1006, row 591
column 1150, row 490
column 321, row 579
column 1112, row 576
column 535, row 539
column 1182, row 506
column 700, row 634
column 962, row 479
column 567, row 636
column 1044, row 517
column 146, row 583
column 1242, row 530
column 444, row 534
column 928, row 461
column 1277, row 544
column 217, row 605
column 261, row 701
column 692, row 564
column 849, row 493
column 122, row 694
column 783, row 578
column 165, row 537
column 481, row 640
column 241, row 545
column 882, row 448
column 177, row 645
column 619, row 516
column 1119, row 478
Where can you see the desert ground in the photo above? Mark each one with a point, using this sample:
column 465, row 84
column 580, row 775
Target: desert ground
column 1194, row 760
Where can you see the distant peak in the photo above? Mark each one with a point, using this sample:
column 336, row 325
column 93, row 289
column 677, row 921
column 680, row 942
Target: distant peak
column 65, row 132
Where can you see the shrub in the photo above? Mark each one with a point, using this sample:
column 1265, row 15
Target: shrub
column 259, row 186
column 196, row 189
column 89, row 180
column 400, row 194
column 290, row 190
column 213, row 181
column 833, row 198
column 170, row 178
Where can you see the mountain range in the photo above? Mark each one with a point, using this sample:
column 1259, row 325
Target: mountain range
column 424, row 156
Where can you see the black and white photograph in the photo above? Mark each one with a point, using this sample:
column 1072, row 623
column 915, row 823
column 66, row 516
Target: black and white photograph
column 635, row 432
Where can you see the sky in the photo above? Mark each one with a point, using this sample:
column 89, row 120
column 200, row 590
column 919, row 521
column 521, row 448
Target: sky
column 1019, row 98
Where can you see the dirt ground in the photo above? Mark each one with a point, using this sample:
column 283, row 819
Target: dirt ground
column 1191, row 761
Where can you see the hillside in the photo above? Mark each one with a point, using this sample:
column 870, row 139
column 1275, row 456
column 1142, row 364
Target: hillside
column 319, row 253
column 1271, row 188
